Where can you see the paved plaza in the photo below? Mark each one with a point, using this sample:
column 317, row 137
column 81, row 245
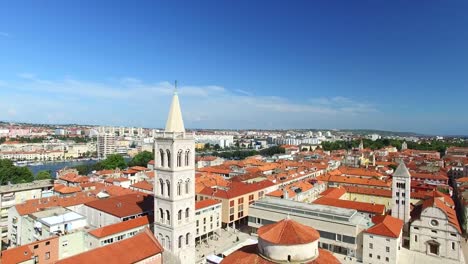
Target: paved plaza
column 225, row 240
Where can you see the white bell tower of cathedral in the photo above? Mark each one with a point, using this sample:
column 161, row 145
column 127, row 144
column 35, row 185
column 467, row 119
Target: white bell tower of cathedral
column 174, row 188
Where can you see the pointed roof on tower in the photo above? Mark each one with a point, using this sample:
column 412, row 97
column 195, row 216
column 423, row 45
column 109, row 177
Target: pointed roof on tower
column 402, row 171
column 175, row 123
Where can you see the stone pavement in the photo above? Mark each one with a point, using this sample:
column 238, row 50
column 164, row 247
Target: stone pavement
column 226, row 240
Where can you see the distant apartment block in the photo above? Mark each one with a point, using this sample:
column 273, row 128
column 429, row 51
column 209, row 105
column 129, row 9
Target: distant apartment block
column 106, row 144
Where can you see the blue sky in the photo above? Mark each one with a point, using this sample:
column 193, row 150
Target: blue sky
column 395, row 65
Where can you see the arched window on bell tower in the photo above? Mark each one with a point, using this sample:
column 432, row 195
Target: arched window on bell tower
column 161, row 157
column 168, row 158
column 179, row 188
column 179, row 158
column 187, row 239
column 187, row 157
column 161, row 215
column 161, row 187
column 187, row 186
column 168, row 184
column 168, row 241
column 181, row 238
column 168, row 217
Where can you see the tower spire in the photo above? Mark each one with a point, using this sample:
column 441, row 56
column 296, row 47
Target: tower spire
column 175, row 123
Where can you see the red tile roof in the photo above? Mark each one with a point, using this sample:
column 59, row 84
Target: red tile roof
column 205, row 203
column 143, row 185
column 131, row 250
column 139, row 168
column 24, row 253
column 360, row 206
column 386, row 226
column 150, row 174
column 358, row 181
column 359, row 172
column 73, row 177
column 34, row 205
column 368, row 191
column 60, row 188
column 235, row 189
column 124, row 205
column 206, row 158
column 249, row 254
column 288, row 232
column 334, row 192
column 121, row 226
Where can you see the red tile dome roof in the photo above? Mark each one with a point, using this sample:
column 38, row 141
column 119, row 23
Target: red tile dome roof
column 288, row 232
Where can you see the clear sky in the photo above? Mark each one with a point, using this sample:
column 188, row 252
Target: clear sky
column 395, row 65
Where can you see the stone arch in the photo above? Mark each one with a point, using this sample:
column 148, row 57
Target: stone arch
column 161, row 158
column 179, row 158
column 168, row 158
column 181, row 241
column 187, row 157
column 161, row 215
column 168, row 242
column 179, row 215
column 179, row 188
column 168, row 184
column 187, row 186
column 161, row 186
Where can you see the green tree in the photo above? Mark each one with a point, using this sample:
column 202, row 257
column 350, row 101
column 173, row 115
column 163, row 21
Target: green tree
column 141, row 159
column 207, row 146
column 13, row 174
column 43, row 175
column 113, row 161
column 217, row 147
column 272, row 151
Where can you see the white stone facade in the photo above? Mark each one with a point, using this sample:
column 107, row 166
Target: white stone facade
column 207, row 221
column 432, row 234
column 380, row 249
column 288, row 253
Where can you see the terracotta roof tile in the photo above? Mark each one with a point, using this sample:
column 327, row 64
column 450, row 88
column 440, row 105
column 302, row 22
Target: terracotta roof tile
column 288, row 232
column 34, row 205
column 360, row 206
column 121, row 226
column 143, row 185
column 334, row 192
column 386, row 226
column 124, row 205
column 235, row 189
column 205, row 203
column 141, row 246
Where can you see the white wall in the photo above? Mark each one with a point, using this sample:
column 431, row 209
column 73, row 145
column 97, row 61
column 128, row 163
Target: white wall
column 380, row 244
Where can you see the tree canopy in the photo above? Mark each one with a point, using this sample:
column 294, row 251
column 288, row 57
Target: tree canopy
column 272, row 151
column 435, row 145
column 113, row 161
column 141, row 159
column 13, row 174
column 44, row 175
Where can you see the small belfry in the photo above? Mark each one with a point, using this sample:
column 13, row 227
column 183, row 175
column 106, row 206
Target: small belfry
column 174, row 188
column 401, row 196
